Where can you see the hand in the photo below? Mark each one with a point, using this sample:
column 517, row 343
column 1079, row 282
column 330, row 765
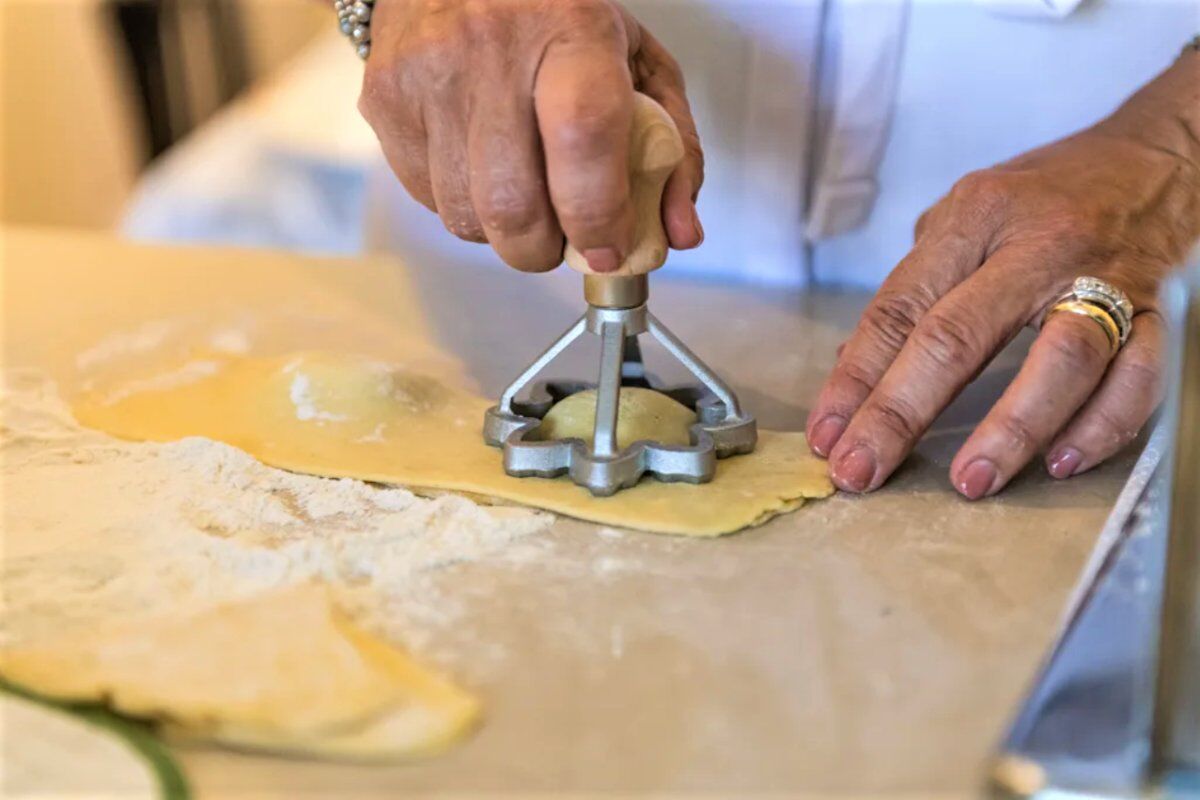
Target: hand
column 988, row 259
column 511, row 120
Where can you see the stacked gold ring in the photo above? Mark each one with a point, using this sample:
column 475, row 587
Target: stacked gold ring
column 1094, row 312
column 1101, row 301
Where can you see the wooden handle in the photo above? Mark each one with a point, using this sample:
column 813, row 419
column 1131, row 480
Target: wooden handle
column 655, row 150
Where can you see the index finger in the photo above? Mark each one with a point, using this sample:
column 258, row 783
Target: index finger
column 583, row 97
column 932, row 269
column 946, row 350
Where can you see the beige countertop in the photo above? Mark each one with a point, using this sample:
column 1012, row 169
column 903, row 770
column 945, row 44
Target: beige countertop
column 863, row 646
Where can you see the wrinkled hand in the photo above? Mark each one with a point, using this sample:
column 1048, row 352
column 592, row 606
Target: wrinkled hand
column 511, row 120
column 988, row 259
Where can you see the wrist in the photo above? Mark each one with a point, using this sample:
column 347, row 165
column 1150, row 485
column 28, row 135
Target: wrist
column 1165, row 114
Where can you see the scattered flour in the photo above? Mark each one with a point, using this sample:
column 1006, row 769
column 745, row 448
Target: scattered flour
column 376, row 434
column 187, row 373
column 96, row 528
column 149, row 336
column 234, row 341
column 607, row 565
column 300, row 392
column 155, row 335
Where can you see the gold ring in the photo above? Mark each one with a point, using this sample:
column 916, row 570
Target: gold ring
column 1093, row 312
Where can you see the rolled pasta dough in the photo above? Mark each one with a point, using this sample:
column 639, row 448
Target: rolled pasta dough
column 283, row 671
column 336, row 415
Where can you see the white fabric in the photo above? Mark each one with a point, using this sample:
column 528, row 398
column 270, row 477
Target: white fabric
column 977, row 88
column 1031, row 8
column 761, row 241
column 909, row 101
column 859, row 71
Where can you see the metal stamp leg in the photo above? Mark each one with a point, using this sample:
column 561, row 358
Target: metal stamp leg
column 608, row 391
column 694, row 365
column 541, row 362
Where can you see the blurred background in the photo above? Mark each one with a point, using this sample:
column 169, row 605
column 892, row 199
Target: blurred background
column 94, row 90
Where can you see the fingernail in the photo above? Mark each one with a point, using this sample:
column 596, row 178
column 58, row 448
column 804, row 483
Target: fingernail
column 602, row 259
column 854, row 471
column 977, row 479
column 1064, row 462
column 826, row 434
column 699, row 228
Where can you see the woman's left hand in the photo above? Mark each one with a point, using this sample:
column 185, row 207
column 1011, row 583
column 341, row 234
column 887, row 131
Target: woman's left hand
column 988, row 260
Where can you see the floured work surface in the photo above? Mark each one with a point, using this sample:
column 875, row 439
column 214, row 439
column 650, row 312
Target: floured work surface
column 188, row 584
column 861, row 646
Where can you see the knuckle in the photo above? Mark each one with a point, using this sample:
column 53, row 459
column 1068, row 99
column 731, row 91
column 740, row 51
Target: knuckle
column 949, row 341
column 922, row 224
column 1141, row 370
column 1116, row 427
column 432, row 56
column 1078, row 346
column 590, row 213
column 510, row 210
column 893, row 317
column 856, row 375
column 1018, row 432
column 473, row 12
column 897, row 416
column 596, row 18
column 592, row 128
column 463, row 224
column 485, row 21
column 425, row 64
column 985, row 192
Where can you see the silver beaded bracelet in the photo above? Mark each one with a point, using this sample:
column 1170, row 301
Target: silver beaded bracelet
column 354, row 20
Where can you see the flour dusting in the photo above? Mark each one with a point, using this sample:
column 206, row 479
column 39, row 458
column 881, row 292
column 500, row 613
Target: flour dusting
column 233, row 341
column 300, row 393
column 191, row 372
column 97, row 528
column 143, row 339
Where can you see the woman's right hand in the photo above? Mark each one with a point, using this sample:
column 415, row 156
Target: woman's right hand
column 511, row 120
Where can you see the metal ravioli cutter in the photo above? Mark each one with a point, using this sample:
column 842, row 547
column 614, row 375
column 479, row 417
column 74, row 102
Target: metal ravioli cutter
column 617, row 314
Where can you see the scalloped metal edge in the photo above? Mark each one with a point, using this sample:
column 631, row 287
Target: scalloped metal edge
column 712, row 437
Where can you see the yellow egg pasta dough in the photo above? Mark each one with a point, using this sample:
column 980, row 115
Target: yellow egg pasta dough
column 282, row 671
column 341, row 416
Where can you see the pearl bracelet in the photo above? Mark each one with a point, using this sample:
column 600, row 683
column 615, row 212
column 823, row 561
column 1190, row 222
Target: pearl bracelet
column 354, row 20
